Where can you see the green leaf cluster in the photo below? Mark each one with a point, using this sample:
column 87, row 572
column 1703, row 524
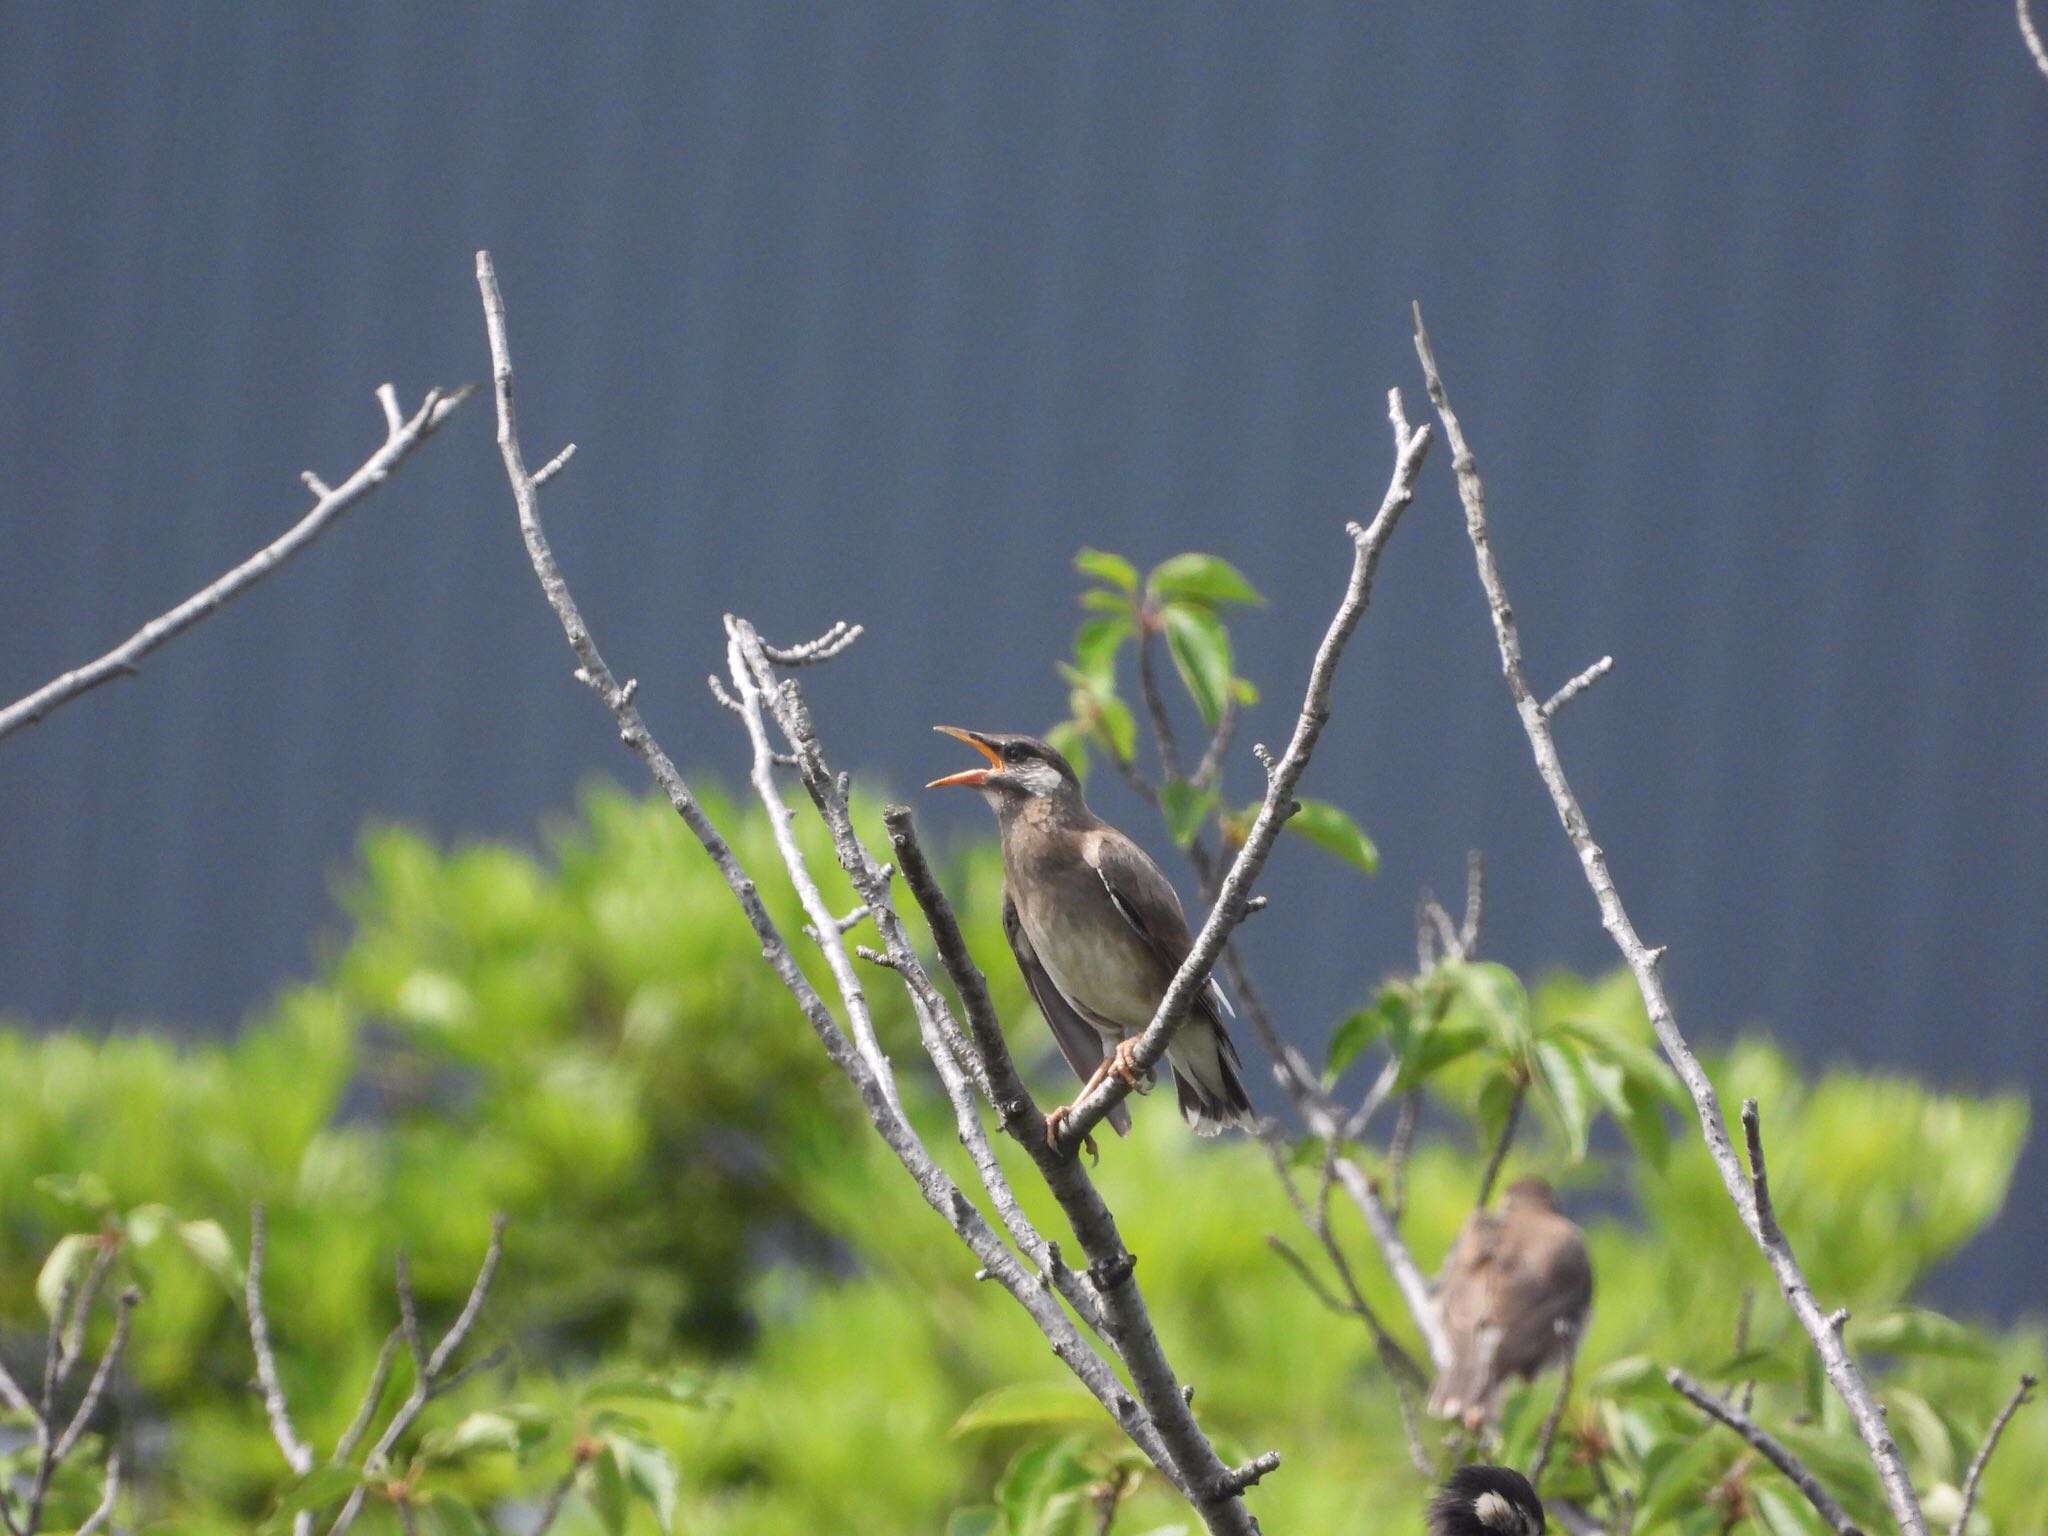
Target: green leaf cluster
column 730, row 1314
column 1182, row 600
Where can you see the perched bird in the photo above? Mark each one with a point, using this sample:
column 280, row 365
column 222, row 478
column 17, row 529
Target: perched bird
column 1098, row 933
column 1513, row 1299
column 1486, row 1501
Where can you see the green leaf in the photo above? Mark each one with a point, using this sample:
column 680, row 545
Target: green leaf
column 1201, row 654
column 981, row 1520
column 1561, row 1081
column 1918, row 1331
column 1776, row 1512
column 651, row 1474
column 1645, row 1124
column 1676, row 1475
column 1095, row 600
column 1113, row 723
column 492, row 1430
column 82, row 1191
column 1630, row 1376
column 678, row 1387
column 1359, row 1029
column 208, row 1243
column 608, row 1492
column 1028, row 1405
column 144, row 1224
column 1487, row 993
column 64, row 1270
column 1197, row 578
column 1115, row 570
column 1042, row 1485
column 1333, row 831
column 1096, row 644
column 1185, row 809
column 317, row 1489
column 1436, row 1047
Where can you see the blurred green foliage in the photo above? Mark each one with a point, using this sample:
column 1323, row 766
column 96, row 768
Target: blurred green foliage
column 721, row 1294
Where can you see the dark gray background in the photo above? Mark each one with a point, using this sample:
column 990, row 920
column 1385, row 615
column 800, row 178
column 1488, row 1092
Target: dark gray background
column 878, row 312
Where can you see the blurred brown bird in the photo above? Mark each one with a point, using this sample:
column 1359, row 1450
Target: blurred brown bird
column 1513, row 1300
column 1098, row 933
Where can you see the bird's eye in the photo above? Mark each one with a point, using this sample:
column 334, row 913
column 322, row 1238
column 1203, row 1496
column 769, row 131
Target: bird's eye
column 1010, row 752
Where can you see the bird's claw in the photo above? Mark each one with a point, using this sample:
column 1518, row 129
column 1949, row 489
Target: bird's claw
column 1057, row 1119
column 1122, row 1067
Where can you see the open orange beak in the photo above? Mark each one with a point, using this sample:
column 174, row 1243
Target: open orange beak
column 971, row 778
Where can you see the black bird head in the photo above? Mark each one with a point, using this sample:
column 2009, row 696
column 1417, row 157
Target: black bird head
column 1486, row 1501
column 1020, row 768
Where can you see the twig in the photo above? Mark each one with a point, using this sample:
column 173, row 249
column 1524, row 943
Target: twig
column 98, row 1519
column 1319, row 1114
column 1546, row 1437
column 1368, row 543
column 2032, row 34
column 373, row 1395
column 551, row 1511
column 70, row 1338
column 1505, row 1140
column 53, row 1445
column 1210, row 768
column 1405, row 1375
column 1577, row 686
column 1745, row 1394
column 1772, row 1449
column 1149, row 690
column 465, row 1321
column 1475, row 905
column 1644, row 961
column 297, row 1454
column 811, row 652
column 403, row 436
column 428, row 1383
column 1307, row 1276
column 1982, row 1459
column 1183, row 1452
column 554, row 466
column 1399, row 1145
column 875, row 1088
column 97, row 1386
column 1317, row 1220
column 1433, row 929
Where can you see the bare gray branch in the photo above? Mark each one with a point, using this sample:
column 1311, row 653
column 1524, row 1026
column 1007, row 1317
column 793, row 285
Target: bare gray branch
column 1982, row 1459
column 403, row 436
column 1770, row 1447
column 1644, row 962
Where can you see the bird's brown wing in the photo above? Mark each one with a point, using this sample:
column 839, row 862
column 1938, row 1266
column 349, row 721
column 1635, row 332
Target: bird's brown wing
column 1077, row 1039
column 1208, row 1075
column 1140, row 891
column 1466, row 1299
column 1544, row 1286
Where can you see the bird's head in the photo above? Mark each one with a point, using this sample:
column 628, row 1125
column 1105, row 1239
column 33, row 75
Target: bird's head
column 1020, row 769
column 1529, row 1195
column 1486, row 1501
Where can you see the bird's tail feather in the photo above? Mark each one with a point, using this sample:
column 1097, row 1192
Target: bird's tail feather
column 1207, row 1079
column 1467, row 1388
